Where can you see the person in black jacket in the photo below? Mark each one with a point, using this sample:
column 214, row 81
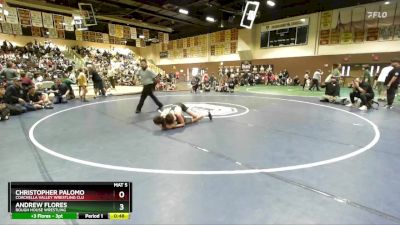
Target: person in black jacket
column 97, row 82
column 392, row 82
column 60, row 91
column 4, row 110
column 14, row 97
column 362, row 90
column 332, row 92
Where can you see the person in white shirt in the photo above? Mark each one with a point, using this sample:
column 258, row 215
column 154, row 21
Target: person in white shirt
column 316, row 79
column 380, row 83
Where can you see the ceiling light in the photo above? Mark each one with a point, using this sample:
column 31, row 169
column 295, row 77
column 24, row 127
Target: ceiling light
column 141, row 36
column 303, row 20
column 387, row 3
column 271, row 3
column 5, row 12
column 183, row 11
column 210, row 19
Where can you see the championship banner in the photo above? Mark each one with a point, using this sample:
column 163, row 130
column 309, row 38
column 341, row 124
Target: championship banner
column 7, row 28
column 324, row 37
column 179, row 44
column 212, row 38
column 36, row 19
column 227, row 48
column 371, row 23
column 12, row 16
column 146, row 33
column 166, row 38
column 92, row 36
column 358, row 24
column 185, row 42
column 24, row 17
column 233, row 47
column 212, row 50
column 127, row 32
column 326, row 20
column 234, row 34
column 346, row 37
column 119, row 31
column 137, row 43
column 85, row 35
column 111, row 39
column 386, row 23
column 61, row 34
column 99, row 37
column 79, row 35
column 48, row 20
column 106, row 38
column 68, row 21
column 58, row 22
column 53, row 33
column 17, row 30
column 228, row 36
column 36, row 31
column 160, row 36
column 133, row 33
column 185, row 53
column 111, row 29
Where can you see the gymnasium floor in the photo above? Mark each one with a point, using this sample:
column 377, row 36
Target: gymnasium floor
column 264, row 159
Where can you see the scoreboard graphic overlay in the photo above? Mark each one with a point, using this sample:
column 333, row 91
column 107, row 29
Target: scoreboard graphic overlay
column 70, row 200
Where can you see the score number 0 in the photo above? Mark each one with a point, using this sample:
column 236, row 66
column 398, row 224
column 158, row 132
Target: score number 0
column 121, row 194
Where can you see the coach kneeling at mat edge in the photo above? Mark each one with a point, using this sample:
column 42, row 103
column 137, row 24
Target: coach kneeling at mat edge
column 147, row 78
column 332, row 91
column 362, row 91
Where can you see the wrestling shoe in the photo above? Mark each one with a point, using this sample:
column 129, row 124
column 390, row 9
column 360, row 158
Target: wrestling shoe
column 210, row 116
column 137, row 111
column 363, row 108
column 389, row 106
column 48, row 107
column 351, row 105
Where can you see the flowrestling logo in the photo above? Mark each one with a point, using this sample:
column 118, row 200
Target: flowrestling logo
column 217, row 109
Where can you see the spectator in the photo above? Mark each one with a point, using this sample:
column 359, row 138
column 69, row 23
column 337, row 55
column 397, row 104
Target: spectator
column 15, row 98
column 332, row 92
column 26, row 81
column 364, row 92
column 392, row 82
column 336, row 71
column 316, row 80
column 306, row 79
column 380, row 82
column 195, row 82
column 82, row 82
column 296, row 81
column 97, row 82
column 61, row 91
column 38, row 99
column 4, row 110
column 8, row 73
column 367, row 73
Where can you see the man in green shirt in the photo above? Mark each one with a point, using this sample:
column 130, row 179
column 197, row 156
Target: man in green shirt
column 336, row 71
column 147, row 77
column 8, row 73
column 367, row 74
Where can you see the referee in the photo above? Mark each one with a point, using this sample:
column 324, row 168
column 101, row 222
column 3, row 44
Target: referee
column 147, row 78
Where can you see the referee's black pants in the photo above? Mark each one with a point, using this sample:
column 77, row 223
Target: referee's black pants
column 148, row 91
column 391, row 94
